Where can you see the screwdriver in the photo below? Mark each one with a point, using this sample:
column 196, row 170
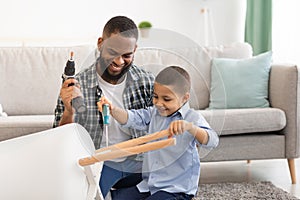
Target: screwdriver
column 105, row 115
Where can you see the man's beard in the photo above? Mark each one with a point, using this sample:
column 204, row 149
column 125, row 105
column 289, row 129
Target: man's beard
column 104, row 70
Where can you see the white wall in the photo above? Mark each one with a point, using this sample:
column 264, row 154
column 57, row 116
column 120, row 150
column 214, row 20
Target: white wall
column 67, row 21
column 63, row 22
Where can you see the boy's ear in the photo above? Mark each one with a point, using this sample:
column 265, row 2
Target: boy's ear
column 135, row 48
column 186, row 97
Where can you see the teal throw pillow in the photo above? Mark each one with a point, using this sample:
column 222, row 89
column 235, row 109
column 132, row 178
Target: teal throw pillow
column 240, row 83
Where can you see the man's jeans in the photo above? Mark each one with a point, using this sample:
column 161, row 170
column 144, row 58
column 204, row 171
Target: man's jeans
column 120, row 175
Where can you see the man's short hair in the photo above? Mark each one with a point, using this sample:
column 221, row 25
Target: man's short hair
column 176, row 77
column 121, row 24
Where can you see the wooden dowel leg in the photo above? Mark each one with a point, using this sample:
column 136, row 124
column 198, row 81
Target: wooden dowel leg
column 135, row 150
column 118, row 153
column 291, row 163
column 136, row 141
column 87, row 161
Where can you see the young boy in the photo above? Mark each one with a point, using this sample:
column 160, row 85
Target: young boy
column 172, row 172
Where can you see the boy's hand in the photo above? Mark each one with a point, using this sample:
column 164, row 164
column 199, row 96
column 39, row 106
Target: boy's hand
column 179, row 126
column 104, row 100
column 118, row 114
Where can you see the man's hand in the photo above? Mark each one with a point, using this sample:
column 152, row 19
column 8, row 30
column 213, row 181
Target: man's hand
column 67, row 93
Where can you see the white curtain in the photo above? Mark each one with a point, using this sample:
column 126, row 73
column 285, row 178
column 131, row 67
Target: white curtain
column 286, row 31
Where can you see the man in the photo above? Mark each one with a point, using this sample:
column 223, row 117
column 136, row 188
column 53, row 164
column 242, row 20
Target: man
column 113, row 75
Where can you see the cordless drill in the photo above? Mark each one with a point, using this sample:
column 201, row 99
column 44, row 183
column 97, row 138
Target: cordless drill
column 69, row 72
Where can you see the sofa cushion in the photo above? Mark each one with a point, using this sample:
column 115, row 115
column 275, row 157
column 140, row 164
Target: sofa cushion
column 237, row 50
column 240, row 83
column 30, row 77
column 154, row 60
column 15, row 126
column 243, row 121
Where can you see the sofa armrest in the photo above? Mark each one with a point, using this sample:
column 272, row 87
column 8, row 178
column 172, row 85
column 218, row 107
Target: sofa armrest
column 284, row 94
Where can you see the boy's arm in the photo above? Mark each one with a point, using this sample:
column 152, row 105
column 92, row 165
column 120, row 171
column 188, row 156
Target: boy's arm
column 117, row 113
column 199, row 133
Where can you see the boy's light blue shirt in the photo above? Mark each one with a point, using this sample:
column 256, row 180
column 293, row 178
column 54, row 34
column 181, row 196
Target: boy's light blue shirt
column 176, row 168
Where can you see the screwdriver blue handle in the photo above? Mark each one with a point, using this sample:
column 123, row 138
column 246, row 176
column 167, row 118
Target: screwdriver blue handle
column 105, row 113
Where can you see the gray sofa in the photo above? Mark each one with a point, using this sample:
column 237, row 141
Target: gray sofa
column 30, row 78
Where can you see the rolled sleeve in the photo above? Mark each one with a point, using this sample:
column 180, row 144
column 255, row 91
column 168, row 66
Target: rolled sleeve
column 130, row 120
column 138, row 119
column 213, row 139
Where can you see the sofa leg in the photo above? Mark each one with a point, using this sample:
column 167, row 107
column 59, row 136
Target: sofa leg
column 248, row 161
column 292, row 168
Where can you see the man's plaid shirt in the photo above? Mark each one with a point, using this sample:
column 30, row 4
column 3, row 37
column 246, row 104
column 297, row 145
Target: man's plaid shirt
column 137, row 94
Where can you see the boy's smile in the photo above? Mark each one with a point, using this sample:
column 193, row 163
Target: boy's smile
column 166, row 101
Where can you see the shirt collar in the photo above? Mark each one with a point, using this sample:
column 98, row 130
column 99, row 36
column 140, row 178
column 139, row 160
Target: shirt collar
column 182, row 111
column 92, row 75
column 133, row 74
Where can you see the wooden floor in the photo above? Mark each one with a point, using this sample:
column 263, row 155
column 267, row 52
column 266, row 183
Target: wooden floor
column 276, row 171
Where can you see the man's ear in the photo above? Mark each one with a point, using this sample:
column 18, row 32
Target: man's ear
column 99, row 43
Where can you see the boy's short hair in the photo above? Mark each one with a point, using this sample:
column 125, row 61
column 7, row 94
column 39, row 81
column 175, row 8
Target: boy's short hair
column 175, row 76
column 123, row 25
